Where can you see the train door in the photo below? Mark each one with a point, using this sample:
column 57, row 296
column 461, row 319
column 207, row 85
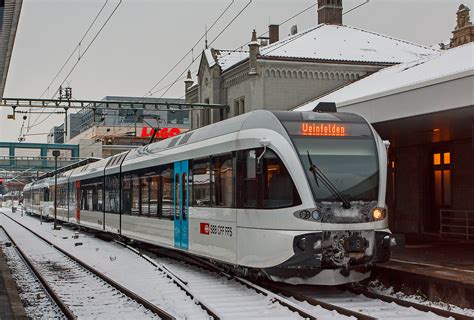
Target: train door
column 181, row 204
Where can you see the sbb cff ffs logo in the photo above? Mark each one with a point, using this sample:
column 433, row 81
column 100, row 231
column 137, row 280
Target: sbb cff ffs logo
column 204, row 228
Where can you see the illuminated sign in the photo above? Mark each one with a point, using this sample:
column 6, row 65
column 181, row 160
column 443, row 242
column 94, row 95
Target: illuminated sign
column 162, row 133
column 322, row 129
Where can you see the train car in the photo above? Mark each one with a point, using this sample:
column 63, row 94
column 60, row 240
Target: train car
column 297, row 197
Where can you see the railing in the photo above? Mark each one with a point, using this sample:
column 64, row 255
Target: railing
column 458, row 223
column 36, row 162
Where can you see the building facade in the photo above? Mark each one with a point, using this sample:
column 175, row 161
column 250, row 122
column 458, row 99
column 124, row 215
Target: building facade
column 291, row 71
column 105, row 133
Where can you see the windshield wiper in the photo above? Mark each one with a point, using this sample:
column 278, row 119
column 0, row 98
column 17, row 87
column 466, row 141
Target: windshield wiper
column 325, row 180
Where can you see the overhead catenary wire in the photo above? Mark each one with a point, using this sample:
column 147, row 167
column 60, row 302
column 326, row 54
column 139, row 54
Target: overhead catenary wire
column 79, row 59
column 236, row 49
column 215, row 38
column 150, row 92
column 46, row 90
column 75, row 49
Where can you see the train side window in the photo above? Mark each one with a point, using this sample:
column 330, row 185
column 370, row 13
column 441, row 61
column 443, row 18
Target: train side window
column 167, row 177
column 247, row 179
column 202, row 183
column 221, row 180
column 278, row 189
column 112, row 190
column 144, row 196
column 136, row 191
column 126, row 194
column 266, row 185
column 154, row 195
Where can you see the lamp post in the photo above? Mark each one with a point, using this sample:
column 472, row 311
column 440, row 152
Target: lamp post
column 56, row 154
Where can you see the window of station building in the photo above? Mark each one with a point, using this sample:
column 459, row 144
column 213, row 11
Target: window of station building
column 442, row 179
column 201, row 182
column 222, row 180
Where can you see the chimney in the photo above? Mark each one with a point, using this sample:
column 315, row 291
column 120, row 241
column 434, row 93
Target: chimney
column 274, row 32
column 330, row 12
column 188, row 82
column 254, row 51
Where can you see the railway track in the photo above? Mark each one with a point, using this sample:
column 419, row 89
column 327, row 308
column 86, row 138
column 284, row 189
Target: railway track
column 79, row 290
column 318, row 302
column 224, row 296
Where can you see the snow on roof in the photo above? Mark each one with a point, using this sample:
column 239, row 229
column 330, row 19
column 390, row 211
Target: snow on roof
column 455, row 62
column 336, row 43
column 345, row 43
column 229, row 58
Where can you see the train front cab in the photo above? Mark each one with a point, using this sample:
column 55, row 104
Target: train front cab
column 342, row 169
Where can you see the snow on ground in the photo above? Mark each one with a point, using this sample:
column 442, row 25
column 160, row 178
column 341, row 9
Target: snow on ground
column 216, row 290
column 377, row 287
column 38, row 305
column 118, row 263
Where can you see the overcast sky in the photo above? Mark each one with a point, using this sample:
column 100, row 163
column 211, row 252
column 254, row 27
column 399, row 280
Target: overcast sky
column 144, row 39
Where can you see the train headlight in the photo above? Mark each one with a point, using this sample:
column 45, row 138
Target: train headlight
column 316, row 215
column 305, row 214
column 378, row 214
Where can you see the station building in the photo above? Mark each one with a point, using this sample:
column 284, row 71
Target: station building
column 419, row 98
column 425, row 108
column 285, row 73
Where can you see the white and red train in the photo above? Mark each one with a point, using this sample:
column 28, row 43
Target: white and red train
column 295, row 196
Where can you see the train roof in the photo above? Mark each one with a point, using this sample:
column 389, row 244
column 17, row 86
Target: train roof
column 259, row 119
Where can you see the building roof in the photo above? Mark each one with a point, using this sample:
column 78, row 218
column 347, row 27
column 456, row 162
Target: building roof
column 332, row 43
column 443, row 66
column 10, row 11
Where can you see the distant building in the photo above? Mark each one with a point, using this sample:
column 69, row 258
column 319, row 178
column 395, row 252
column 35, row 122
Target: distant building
column 56, row 134
column 291, row 71
column 108, row 132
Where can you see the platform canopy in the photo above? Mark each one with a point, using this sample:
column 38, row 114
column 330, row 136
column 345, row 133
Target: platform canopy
column 432, row 95
column 9, row 17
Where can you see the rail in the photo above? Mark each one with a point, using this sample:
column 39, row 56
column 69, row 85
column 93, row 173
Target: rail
column 458, row 223
column 133, row 296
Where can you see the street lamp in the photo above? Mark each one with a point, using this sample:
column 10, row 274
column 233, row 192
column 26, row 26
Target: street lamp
column 56, row 154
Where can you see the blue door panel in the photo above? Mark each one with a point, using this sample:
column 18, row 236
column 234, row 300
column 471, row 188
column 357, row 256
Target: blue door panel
column 181, row 205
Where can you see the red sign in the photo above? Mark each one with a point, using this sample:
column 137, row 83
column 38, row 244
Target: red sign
column 322, row 129
column 163, row 133
column 204, row 228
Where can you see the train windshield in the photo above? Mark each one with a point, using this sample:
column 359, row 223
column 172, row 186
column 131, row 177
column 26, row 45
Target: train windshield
column 343, row 154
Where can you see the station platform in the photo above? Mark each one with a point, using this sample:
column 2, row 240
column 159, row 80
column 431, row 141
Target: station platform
column 11, row 306
column 439, row 270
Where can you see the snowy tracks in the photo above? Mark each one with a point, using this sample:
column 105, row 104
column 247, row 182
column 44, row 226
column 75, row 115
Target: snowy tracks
column 79, row 290
column 226, row 297
column 35, row 297
column 361, row 306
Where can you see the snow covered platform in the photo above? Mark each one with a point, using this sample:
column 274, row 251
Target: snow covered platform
column 441, row 271
column 11, row 306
